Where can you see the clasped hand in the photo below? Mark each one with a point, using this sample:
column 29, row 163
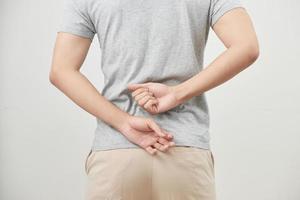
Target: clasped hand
column 154, row 98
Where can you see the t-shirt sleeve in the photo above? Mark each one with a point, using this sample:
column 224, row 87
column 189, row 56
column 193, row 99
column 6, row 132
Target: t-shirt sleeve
column 220, row 7
column 76, row 20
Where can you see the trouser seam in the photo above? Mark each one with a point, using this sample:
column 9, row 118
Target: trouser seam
column 151, row 178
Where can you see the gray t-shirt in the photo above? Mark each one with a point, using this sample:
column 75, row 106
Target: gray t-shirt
column 149, row 40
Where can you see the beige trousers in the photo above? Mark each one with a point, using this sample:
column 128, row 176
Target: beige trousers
column 180, row 173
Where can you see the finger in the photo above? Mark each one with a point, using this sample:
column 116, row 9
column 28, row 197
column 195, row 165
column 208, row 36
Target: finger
column 151, row 150
column 138, row 91
column 141, row 95
column 152, row 124
column 160, row 147
column 144, row 100
column 134, row 86
column 165, row 142
column 151, row 102
column 169, row 135
column 151, row 108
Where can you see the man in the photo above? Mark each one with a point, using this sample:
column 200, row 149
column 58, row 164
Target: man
column 153, row 95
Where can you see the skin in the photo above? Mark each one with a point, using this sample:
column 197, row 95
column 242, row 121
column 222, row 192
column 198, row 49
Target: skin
column 68, row 56
column 236, row 31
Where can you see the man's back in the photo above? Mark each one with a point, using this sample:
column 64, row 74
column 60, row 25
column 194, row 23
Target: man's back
column 143, row 40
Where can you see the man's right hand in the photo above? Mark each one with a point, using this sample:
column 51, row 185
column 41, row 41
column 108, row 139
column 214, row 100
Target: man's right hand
column 145, row 133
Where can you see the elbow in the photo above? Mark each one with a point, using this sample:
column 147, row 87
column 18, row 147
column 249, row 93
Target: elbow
column 57, row 75
column 53, row 76
column 251, row 52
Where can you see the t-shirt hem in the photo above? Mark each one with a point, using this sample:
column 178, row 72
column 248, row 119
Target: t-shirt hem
column 202, row 145
column 77, row 32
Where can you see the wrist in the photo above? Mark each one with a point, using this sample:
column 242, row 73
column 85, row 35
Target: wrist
column 180, row 93
column 121, row 121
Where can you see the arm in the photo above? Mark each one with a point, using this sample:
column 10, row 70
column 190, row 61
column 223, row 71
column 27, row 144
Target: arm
column 236, row 31
column 69, row 54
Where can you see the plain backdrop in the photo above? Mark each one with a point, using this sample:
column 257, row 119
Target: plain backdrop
column 255, row 116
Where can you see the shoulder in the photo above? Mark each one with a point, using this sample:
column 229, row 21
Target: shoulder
column 79, row 5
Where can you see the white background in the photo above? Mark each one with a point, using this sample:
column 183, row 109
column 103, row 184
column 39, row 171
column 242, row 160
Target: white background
column 255, row 116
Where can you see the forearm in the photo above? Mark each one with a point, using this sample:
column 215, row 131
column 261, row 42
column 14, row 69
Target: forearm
column 224, row 67
column 80, row 90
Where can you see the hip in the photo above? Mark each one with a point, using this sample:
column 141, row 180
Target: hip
column 182, row 172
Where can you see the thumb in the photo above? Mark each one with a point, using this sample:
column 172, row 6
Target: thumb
column 134, row 86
